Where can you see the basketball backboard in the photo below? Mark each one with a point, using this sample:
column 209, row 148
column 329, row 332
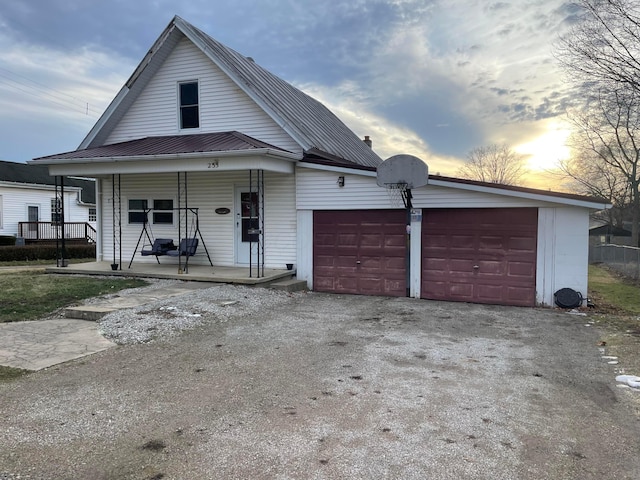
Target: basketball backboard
column 402, row 169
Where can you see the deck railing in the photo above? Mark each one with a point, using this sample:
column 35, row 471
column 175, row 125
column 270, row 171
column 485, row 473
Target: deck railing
column 623, row 259
column 50, row 231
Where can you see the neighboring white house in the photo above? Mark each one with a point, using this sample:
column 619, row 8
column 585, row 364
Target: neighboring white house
column 201, row 132
column 28, row 200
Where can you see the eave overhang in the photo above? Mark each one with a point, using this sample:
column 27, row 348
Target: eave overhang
column 267, row 159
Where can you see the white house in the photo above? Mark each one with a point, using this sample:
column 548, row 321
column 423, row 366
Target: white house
column 28, row 201
column 203, row 142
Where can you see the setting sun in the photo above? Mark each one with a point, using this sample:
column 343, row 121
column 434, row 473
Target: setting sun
column 548, row 149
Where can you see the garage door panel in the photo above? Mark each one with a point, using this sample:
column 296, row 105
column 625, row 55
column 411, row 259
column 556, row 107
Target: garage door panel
column 461, row 291
column 501, row 242
column 522, row 246
column 436, row 241
column 396, row 241
column 369, row 251
column 462, row 266
column 324, row 283
column 518, row 296
column 490, row 293
column 462, row 241
column 487, row 242
column 490, row 268
column 521, row 269
column 344, row 240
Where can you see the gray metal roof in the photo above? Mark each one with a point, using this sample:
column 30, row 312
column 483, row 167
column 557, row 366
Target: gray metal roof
column 169, row 145
column 309, row 122
column 30, row 174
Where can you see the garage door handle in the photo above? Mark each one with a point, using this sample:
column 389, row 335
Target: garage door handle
column 476, row 267
column 358, row 262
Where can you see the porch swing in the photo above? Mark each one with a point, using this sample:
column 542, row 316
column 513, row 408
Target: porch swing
column 159, row 247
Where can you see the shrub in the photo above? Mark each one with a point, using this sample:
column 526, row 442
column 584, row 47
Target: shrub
column 44, row 252
column 7, row 240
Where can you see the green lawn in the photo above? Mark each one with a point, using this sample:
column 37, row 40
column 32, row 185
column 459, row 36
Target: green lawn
column 31, row 295
column 612, row 292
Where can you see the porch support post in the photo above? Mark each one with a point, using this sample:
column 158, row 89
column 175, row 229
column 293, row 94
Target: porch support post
column 116, row 222
column 58, row 222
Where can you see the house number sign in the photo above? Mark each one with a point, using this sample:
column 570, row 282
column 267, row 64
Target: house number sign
column 213, row 164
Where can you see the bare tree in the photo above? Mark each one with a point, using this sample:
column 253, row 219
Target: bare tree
column 587, row 174
column 494, row 164
column 601, row 55
column 603, row 48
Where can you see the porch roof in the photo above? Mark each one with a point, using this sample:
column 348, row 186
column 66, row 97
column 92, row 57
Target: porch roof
column 170, row 145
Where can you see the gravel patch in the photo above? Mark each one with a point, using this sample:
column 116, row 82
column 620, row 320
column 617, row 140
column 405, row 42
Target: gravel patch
column 164, row 318
column 268, row 385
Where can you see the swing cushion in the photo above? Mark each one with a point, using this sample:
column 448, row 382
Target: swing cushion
column 187, row 248
column 161, row 246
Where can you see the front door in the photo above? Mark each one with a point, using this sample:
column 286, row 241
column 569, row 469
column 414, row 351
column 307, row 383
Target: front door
column 33, row 217
column 247, row 223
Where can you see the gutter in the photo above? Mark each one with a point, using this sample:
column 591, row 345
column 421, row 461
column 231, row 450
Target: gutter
column 267, row 152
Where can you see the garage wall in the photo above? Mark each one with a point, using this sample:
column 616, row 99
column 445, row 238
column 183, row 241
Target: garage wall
column 319, row 190
column 563, row 252
column 562, row 231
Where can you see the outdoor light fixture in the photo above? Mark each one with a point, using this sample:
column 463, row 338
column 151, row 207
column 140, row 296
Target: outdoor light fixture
column 340, row 181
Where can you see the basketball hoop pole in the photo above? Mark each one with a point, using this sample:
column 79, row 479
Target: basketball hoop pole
column 399, row 174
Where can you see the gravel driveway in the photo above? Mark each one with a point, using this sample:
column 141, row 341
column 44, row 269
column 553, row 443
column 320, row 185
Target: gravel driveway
column 315, row 386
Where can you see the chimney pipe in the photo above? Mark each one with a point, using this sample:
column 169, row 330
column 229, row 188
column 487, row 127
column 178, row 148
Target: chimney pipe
column 368, row 141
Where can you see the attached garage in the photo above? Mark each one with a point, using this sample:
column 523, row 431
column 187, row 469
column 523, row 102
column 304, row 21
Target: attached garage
column 526, row 243
column 482, row 255
column 360, row 252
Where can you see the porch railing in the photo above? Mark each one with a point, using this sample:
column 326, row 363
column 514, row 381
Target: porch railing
column 623, row 259
column 49, row 231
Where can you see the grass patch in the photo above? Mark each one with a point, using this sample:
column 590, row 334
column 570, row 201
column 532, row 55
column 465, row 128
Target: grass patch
column 9, row 373
column 613, row 293
column 32, row 295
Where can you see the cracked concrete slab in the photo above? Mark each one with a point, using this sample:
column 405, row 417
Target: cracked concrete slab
column 40, row 344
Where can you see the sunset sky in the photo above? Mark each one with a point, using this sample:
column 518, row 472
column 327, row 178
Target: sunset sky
column 431, row 78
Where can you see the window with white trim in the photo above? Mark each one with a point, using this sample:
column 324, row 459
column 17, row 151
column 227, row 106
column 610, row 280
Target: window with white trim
column 56, row 210
column 138, row 210
column 161, row 212
column 189, row 108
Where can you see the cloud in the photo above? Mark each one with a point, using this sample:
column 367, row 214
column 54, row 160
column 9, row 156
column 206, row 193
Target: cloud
column 388, row 138
column 71, row 91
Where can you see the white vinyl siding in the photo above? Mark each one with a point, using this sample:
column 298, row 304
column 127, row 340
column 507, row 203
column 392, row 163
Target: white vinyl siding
column 223, row 106
column 207, row 192
column 16, row 199
column 319, row 190
column 563, row 251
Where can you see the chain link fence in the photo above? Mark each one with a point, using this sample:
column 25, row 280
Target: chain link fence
column 621, row 258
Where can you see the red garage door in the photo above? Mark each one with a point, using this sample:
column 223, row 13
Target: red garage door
column 480, row 255
column 362, row 252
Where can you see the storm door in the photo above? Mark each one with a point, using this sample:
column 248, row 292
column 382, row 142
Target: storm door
column 247, row 224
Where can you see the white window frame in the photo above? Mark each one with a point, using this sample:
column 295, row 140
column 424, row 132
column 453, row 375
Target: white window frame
column 150, row 216
column 180, row 106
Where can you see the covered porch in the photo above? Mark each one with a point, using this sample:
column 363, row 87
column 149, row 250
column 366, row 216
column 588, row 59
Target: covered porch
column 196, row 273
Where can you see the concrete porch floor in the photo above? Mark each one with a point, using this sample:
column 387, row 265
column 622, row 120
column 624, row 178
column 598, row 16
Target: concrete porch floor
column 196, row 273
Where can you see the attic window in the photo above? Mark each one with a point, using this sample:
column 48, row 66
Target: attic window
column 189, row 111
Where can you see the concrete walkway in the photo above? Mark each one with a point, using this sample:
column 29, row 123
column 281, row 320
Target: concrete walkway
column 39, row 344
column 42, row 343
